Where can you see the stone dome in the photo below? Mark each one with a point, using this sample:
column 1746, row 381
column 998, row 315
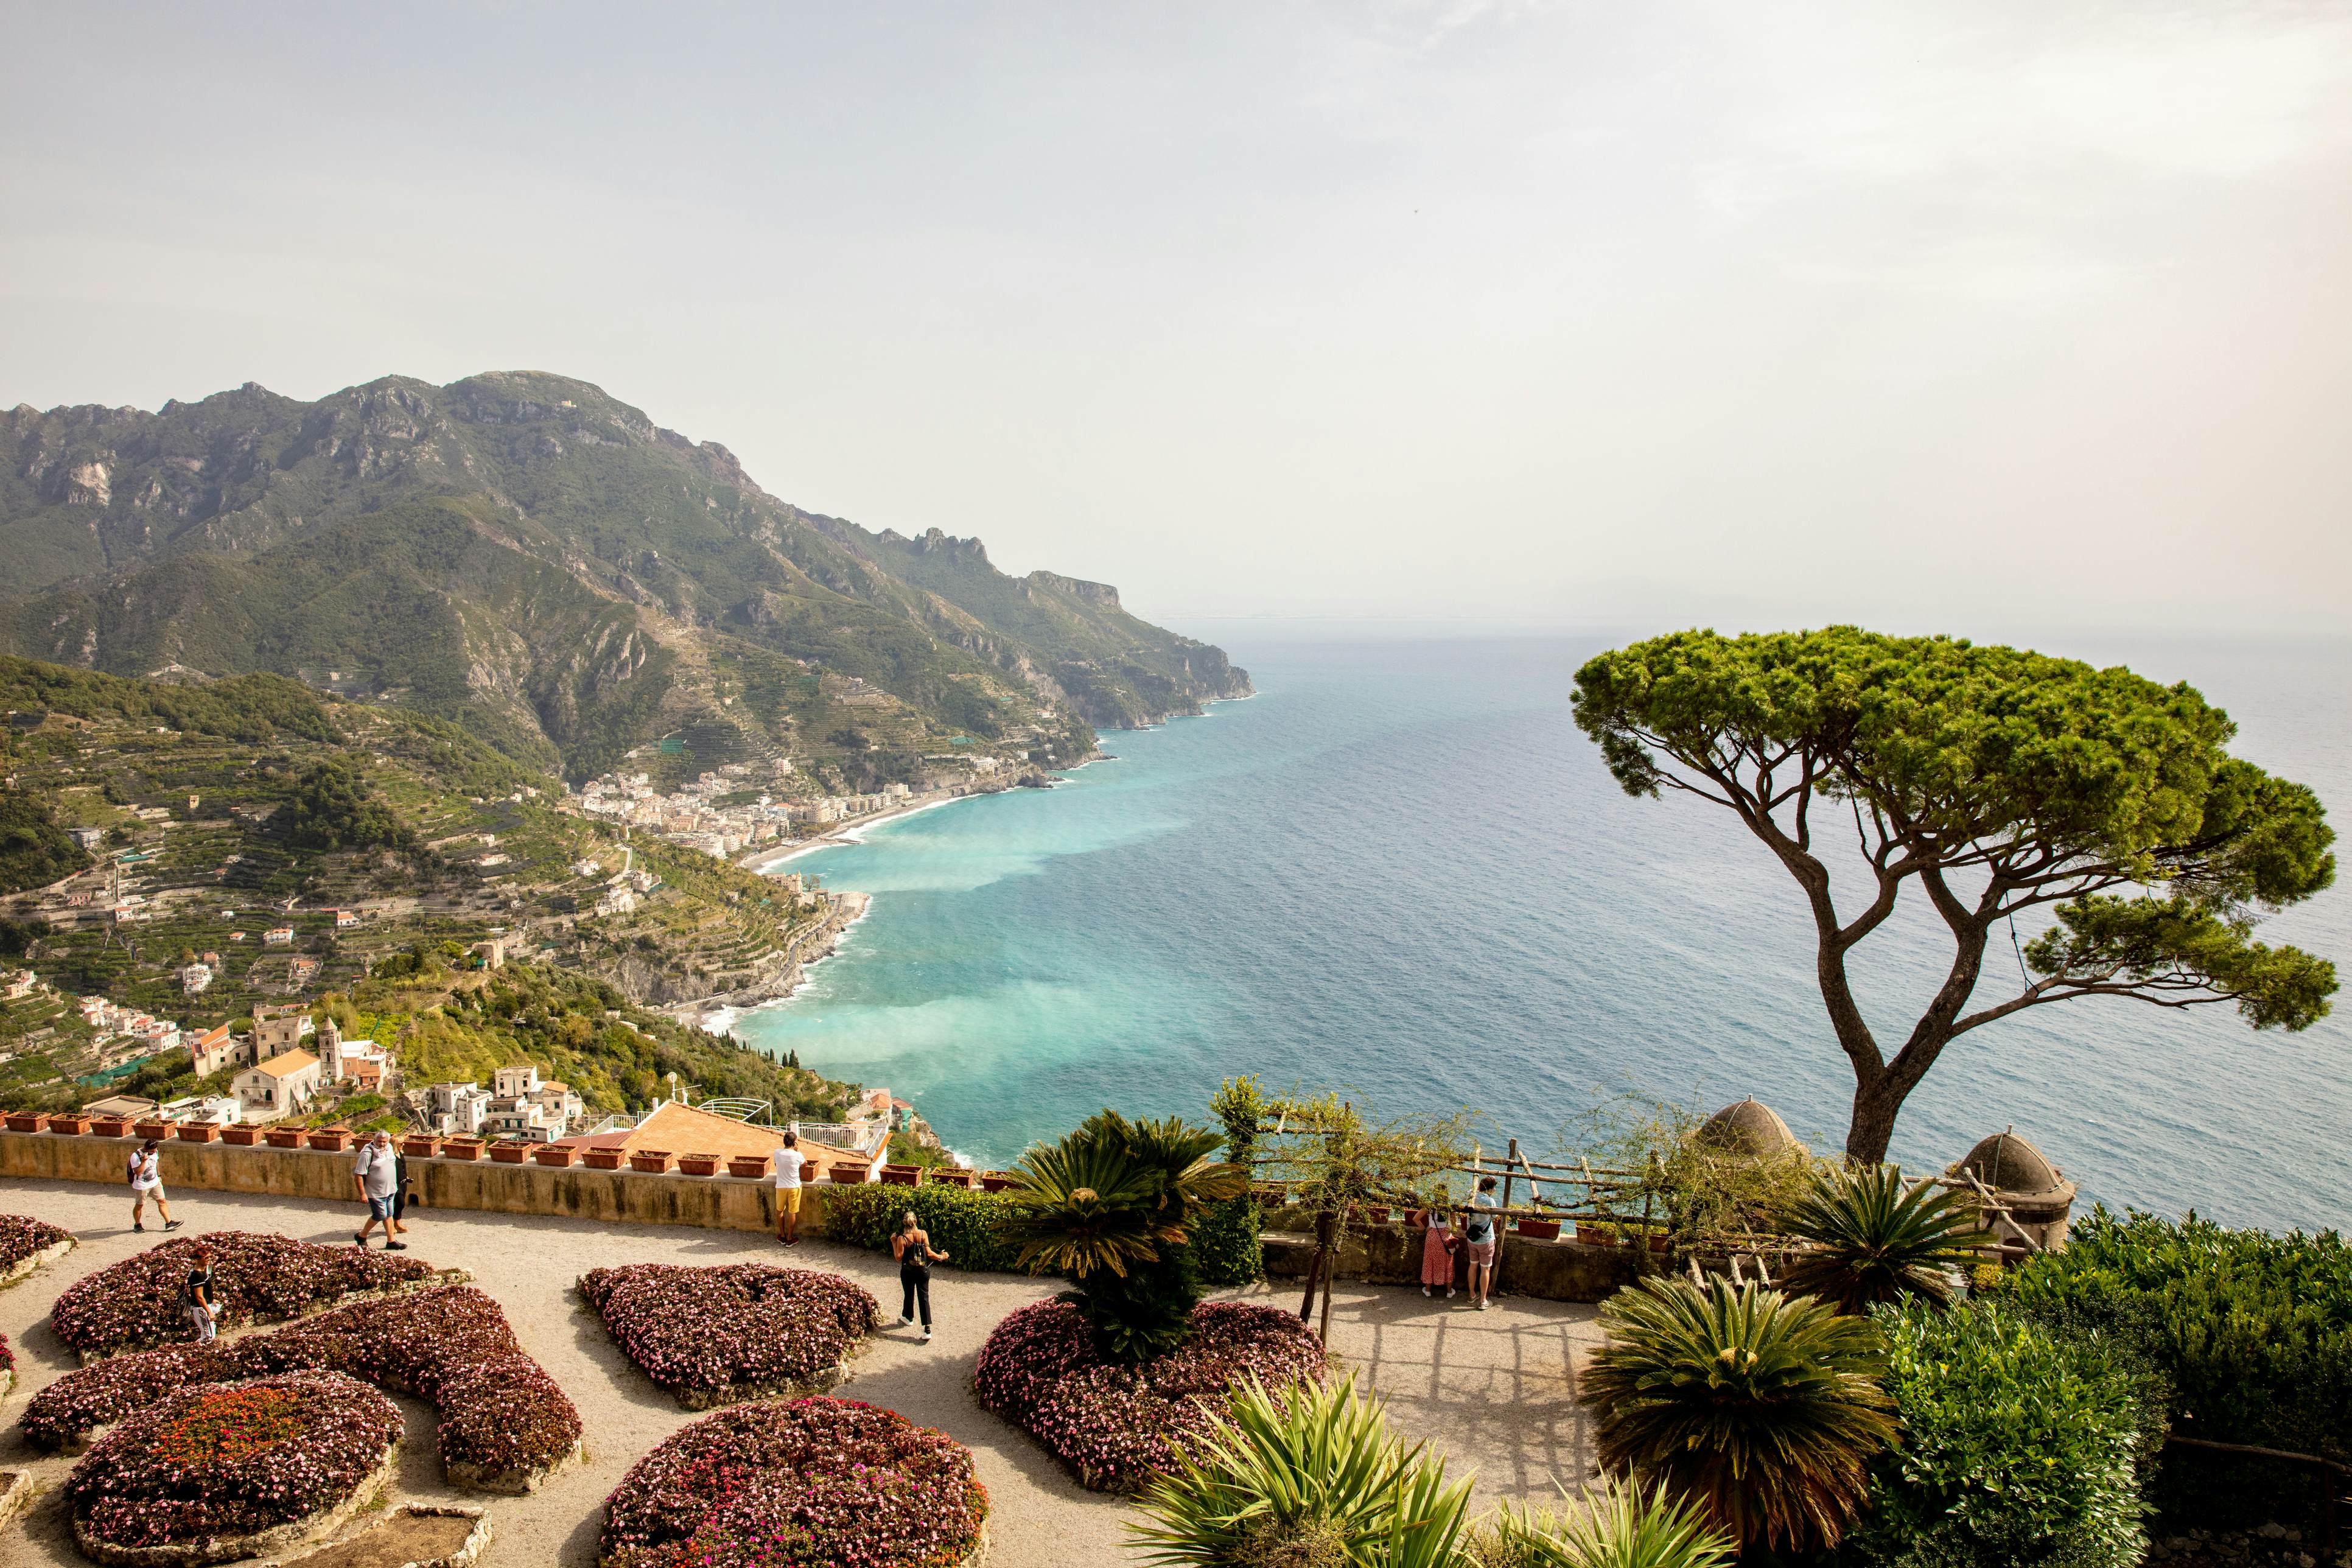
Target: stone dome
column 2008, row 1163
column 1747, row 1127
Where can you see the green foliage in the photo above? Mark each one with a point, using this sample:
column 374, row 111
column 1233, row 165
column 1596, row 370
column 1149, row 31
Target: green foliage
column 1225, row 1242
column 243, row 708
column 1765, row 1408
column 2253, row 1332
column 2020, row 1447
column 1619, row 1526
column 34, row 850
column 1112, row 1209
column 1304, row 1477
column 974, row 1228
column 332, row 807
column 1877, row 1240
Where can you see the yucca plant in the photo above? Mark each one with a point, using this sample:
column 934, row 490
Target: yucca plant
column 1303, row 1477
column 1764, row 1409
column 1110, row 1208
column 1619, row 1526
column 1877, row 1240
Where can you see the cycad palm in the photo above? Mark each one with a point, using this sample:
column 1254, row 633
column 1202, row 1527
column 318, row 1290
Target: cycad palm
column 1621, row 1526
column 1877, row 1240
column 1763, row 1408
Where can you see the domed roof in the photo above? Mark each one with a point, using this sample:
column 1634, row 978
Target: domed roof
column 2008, row 1163
column 1747, row 1127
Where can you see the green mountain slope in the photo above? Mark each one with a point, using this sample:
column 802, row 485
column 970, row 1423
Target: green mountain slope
column 524, row 554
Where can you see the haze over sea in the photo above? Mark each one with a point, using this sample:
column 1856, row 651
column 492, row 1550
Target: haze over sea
column 1401, row 869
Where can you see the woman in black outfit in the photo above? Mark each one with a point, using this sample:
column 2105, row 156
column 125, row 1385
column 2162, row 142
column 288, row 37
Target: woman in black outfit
column 912, row 1248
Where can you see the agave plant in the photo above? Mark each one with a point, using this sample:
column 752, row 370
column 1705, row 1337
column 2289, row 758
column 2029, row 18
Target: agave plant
column 1877, row 1240
column 1621, row 1526
column 1764, row 1409
column 1110, row 1208
column 1303, row 1477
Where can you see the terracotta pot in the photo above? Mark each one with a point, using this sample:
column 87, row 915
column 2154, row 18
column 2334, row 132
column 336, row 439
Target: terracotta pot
column 995, row 1182
column 1590, row 1236
column 653, row 1162
column 284, row 1137
column 333, row 1139
column 72, row 1123
column 698, row 1165
column 752, row 1165
column 29, row 1121
column 461, row 1148
column 200, row 1133
column 606, row 1159
column 1660, row 1242
column 507, row 1153
column 949, row 1176
column 557, row 1154
column 902, row 1175
column 152, row 1129
column 1376, row 1213
column 244, row 1137
column 418, row 1147
column 108, row 1127
column 850, row 1171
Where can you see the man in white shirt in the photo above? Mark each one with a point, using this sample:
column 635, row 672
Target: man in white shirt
column 147, row 1182
column 376, row 1174
column 788, row 1190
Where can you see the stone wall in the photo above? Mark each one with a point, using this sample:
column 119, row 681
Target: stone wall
column 1390, row 1254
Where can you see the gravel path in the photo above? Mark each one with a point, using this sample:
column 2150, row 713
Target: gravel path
column 1492, row 1390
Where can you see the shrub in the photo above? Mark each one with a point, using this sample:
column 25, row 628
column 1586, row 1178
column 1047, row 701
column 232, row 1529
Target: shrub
column 256, row 1279
column 736, row 1332
column 2018, row 1447
column 805, row 1482
column 1225, row 1243
column 1765, row 1407
column 971, row 1227
column 231, row 1459
column 1115, row 1426
column 65, row 1414
column 2253, row 1332
column 23, row 1236
column 1877, row 1240
column 1307, row 1474
column 1621, row 1526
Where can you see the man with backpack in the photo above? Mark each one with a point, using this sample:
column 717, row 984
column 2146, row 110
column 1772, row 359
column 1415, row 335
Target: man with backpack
column 146, row 1177
column 376, row 1174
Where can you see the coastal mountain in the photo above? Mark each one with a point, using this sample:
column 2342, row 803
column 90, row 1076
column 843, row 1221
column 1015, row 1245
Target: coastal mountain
column 529, row 557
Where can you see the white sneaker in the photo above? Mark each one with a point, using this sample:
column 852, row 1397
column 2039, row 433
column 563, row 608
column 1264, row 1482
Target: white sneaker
column 906, row 1322
column 1424, row 1289
column 1449, row 1292
column 926, row 1336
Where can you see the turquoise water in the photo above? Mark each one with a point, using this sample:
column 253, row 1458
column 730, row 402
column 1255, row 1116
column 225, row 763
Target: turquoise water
column 1401, row 870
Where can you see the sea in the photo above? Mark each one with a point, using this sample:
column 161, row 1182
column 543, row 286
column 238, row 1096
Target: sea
column 1400, row 871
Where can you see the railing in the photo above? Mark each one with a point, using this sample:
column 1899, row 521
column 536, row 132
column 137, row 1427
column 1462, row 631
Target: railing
column 737, row 1109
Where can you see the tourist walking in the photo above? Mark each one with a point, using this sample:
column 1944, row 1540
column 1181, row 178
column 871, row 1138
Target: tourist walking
column 912, row 1248
column 1478, row 1235
column 788, row 1190
column 376, row 1174
column 398, row 1225
column 197, row 1295
column 1437, row 1250
column 146, row 1175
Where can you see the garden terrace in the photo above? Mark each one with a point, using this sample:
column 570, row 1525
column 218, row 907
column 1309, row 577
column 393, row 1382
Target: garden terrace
column 27, row 1244
column 1493, row 1389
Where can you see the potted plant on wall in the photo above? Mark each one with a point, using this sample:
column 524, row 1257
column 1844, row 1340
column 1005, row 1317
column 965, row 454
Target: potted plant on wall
column 604, row 1159
column 849, row 1171
column 653, row 1162
column 419, row 1145
column 199, row 1132
column 152, row 1127
column 557, row 1154
column 509, row 1152
column 284, row 1137
column 73, row 1123
column 333, row 1139
column 29, row 1121
column 752, row 1165
column 241, row 1134
column 461, row 1148
column 902, row 1175
column 110, row 1127
column 698, row 1165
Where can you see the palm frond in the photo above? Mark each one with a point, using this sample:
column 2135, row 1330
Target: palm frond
column 1877, row 1240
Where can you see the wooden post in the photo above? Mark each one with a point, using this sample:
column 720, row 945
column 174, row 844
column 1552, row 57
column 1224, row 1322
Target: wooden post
column 1324, row 1227
column 1507, row 1175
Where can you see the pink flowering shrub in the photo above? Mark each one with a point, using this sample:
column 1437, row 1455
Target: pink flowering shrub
column 21, row 1235
column 256, row 1279
column 7, row 1358
column 804, row 1483
column 740, row 1330
column 1115, row 1427
column 231, row 1459
column 503, row 1421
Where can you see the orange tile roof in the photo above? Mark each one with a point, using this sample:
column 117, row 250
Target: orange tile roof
column 683, row 1130
column 288, row 1064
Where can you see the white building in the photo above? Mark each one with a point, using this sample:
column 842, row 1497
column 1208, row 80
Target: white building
column 516, row 1082
column 458, row 1109
column 278, row 1087
column 194, row 977
column 220, row 1109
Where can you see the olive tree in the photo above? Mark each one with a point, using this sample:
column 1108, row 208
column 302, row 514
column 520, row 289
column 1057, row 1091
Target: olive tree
column 1997, row 782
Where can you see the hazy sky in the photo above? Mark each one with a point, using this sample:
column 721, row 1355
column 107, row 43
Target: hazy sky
column 1975, row 315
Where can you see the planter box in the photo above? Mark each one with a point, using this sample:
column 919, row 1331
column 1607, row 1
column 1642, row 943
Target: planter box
column 152, row 1129
column 1590, row 1236
column 29, row 1121
column 284, row 1137
column 333, row 1139
column 1661, row 1242
column 244, row 1137
column 653, row 1162
column 509, row 1153
column 200, row 1133
column 558, row 1154
column 902, row 1175
column 850, row 1171
column 108, row 1127
column 752, row 1165
column 606, row 1159
column 995, row 1182
column 949, row 1176
column 461, row 1149
column 418, row 1148
column 698, row 1165
column 73, row 1124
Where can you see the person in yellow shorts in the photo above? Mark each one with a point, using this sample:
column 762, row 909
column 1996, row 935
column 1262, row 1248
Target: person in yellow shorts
column 788, row 1190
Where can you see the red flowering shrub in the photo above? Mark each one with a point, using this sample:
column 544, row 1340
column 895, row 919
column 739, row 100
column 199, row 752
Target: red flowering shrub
column 744, row 1331
column 7, row 1365
column 503, row 1421
column 225, row 1460
column 1114, row 1425
column 22, row 1237
column 256, row 1279
column 806, row 1483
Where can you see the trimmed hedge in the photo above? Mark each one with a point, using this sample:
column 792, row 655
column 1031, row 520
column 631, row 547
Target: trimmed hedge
column 969, row 1227
column 1225, row 1243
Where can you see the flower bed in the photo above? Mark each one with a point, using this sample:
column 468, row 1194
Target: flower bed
column 7, row 1365
column 745, row 1331
column 25, row 1244
column 808, row 1482
column 256, row 1279
column 226, row 1470
column 1114, row 1426
column 504, row 1424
